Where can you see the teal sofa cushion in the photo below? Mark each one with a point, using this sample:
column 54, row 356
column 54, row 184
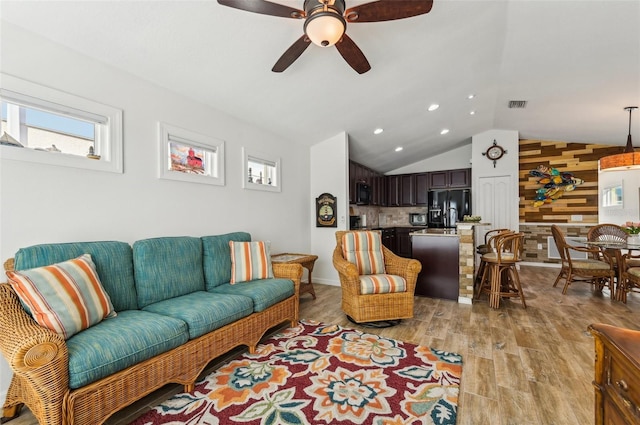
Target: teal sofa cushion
column 113, row 260
column 217, row 257
column 263, row 292
column 122, row 341
column 167, row 268
column 204, row 311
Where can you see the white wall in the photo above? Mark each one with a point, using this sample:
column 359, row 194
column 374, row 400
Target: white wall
column 630, row 210
column 329, row 173
column 451, row 160
column 42, row 204
column 506, row 166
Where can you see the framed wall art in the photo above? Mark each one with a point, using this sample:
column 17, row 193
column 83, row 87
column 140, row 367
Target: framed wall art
column 190, row 157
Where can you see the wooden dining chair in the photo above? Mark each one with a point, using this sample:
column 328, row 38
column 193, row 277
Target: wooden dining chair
column 593, row 269
column 500, row 278
column 490, row 240
column 611, row 233
column 630, row 277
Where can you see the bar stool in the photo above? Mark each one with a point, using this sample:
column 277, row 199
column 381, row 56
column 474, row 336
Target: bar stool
column 489, row 246
column 500, row 278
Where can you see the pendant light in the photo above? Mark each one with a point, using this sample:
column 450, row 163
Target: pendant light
column 628, row 160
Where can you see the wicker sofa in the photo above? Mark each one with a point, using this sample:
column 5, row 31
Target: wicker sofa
column 176, row 311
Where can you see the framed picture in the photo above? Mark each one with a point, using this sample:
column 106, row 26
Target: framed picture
column 190, row 157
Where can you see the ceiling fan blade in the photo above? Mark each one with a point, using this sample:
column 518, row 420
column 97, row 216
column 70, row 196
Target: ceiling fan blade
column 291, row 54
column 352, row 54
column 387, row 10
column 265, row 8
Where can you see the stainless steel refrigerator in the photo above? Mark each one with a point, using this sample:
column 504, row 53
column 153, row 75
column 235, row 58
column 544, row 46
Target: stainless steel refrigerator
column 447, row 207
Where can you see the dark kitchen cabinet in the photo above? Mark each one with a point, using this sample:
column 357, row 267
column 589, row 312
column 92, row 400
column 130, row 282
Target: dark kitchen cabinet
column 438, row 180
column 380, row 190
column 393, row 191
column 440, row 274
column 407, row 190
column 389, row 238
column 450, row 179
column 460, row 178
column 377, row 184
column 352, row 182
column 422, row 189
column 403, row 241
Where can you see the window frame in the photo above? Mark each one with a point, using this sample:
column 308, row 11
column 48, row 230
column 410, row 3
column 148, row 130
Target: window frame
column 260, row 157
column 169, row 133
column 108, row 138
column 607, row 197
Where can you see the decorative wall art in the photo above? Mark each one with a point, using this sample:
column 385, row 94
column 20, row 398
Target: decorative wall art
column 326, row 211
column 188, row 156
column 555, row 184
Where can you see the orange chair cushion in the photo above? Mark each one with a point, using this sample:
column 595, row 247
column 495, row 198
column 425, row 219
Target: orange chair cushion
column 364, row 249
column 382, row 284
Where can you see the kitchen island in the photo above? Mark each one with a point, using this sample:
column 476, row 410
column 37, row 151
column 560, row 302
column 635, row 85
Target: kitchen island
column 448, row 262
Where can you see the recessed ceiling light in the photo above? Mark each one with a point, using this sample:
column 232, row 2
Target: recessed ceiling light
column 399, row 148
column 472, row 112
column 444, row 131
column 471, row 96
column 378, row 131
column 433, row 107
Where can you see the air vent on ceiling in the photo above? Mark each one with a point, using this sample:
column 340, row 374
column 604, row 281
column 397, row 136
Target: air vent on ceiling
column 517, row 104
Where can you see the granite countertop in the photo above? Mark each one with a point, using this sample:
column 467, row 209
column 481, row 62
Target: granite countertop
column 435, row 232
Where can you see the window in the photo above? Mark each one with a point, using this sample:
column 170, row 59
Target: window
column 612, row 196
column 190, row 157
column 43, row 125
column 260, row 172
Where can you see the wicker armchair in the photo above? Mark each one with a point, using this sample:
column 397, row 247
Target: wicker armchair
column 630, row 276
column 614, row 234
column 592, row 270
column 376, row 307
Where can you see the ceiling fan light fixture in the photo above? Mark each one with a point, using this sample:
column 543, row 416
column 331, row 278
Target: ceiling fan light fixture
column 629, row 160
column 325, row 28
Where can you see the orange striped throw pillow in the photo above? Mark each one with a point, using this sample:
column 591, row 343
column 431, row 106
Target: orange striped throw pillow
column 364, row 249
column 250, row 261
column 66, row 297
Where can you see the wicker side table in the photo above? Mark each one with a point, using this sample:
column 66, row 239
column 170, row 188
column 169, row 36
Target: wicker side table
column 305, row 260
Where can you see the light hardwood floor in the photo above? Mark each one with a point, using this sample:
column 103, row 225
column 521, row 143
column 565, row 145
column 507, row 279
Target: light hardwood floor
column 532, row 366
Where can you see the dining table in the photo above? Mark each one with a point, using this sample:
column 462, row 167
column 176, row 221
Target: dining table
column 615, row 250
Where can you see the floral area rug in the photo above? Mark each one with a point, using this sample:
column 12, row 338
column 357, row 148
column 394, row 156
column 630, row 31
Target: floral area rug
column 323, row 374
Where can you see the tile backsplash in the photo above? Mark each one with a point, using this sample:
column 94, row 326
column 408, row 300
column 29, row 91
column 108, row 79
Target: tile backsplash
column 385, row 216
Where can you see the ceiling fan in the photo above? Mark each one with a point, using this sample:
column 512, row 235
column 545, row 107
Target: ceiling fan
column 325, row 23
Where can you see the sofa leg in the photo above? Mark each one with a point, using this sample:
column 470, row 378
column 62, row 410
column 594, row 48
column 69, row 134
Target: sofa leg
column 188, row 388
column 11, row 412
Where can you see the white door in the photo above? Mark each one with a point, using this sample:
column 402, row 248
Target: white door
column 492, row 201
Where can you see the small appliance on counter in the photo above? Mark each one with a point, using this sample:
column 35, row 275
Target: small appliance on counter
column 354, row 222
column 418, row 219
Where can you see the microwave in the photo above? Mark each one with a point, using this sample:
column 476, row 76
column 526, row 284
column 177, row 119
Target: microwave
column 418, row 219
column 363, row 193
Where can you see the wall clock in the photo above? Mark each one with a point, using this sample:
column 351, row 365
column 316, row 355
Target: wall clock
column 326, row 211
column 494, row 152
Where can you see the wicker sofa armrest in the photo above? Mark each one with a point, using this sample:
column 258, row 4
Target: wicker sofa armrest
column 288, row 271
column 34, row 353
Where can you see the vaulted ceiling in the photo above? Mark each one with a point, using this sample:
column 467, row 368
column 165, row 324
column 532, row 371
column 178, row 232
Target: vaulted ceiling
column 576, row 63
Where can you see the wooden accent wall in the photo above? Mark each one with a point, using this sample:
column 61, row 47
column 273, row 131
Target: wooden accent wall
column 577, row 158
